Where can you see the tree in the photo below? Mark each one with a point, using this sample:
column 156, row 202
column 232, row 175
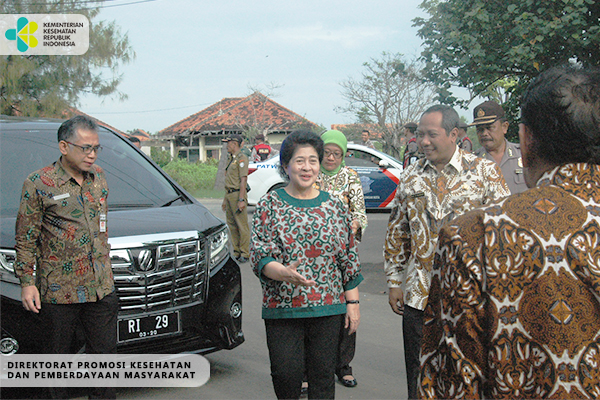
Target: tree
column 482, row 45
column 390, row 92
column 48, row 85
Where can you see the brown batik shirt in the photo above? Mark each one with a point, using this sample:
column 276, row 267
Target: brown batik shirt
column 61, row 236
column 426, row 200
column 514, row 307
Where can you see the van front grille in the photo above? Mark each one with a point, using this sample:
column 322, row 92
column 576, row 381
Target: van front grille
column 160, row 276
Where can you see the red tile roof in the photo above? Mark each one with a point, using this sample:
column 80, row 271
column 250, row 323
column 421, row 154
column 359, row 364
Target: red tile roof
column 71, row 112
column 140, row 134
column 238, row 113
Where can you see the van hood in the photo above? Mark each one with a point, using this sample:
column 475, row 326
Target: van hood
column 189, row 217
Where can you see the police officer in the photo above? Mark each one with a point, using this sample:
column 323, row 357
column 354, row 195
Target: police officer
column 463, row 140
column 261, row 151
column 491, row 124
column 235, row 201
column 411, row 152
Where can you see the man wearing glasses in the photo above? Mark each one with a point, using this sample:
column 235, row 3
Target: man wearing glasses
column 62, row 247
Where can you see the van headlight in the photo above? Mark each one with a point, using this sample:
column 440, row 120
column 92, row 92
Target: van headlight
column 219, row 247
column 7, row 260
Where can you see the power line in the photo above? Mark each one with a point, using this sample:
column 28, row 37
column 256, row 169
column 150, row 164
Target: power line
column 146, row 111
column 93, row 1
column 119, row 5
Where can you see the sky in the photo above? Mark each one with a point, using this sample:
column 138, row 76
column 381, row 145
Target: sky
column 191, row 54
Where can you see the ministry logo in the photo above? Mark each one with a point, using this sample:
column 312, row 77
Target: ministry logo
column 44, row 34
column 23, row 34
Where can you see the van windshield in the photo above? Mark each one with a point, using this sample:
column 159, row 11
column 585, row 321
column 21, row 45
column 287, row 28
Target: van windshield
column 133, row 182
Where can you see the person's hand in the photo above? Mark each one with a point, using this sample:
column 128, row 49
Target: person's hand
column 291, row 275
column 279, row 272
column 352, row 319
column 396, row 299
column 241, row 205
column 30, row 297
column 355, row 225
column 223, row 205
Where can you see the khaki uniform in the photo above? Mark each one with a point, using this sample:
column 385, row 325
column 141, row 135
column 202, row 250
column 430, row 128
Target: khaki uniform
column 237, row 168
column 412, row 153
column 511, row 166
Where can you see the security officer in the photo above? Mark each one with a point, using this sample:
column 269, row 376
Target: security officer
column 491, row 124
column 235, row 201
column 261, row 151
column 412, row 152
column 463, row 140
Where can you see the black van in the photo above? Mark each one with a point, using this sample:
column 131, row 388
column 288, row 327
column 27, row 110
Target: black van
column 178, row 286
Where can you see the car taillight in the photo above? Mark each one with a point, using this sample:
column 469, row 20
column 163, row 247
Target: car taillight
column 251, row 170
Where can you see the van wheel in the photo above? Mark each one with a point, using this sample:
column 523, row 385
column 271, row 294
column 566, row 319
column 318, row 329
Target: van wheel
column 278, row 186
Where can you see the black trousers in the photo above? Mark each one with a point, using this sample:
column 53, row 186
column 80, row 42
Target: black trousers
column 99, row 322
column 346, row 350
column 412, row 330
column 291, row 342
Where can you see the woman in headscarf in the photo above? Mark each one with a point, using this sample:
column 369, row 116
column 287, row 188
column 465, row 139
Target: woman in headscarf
column 343, row 183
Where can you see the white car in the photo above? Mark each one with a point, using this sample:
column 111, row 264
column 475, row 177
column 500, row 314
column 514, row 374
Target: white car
column 379, row 174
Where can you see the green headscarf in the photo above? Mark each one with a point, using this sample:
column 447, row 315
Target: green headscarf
column 338, row 138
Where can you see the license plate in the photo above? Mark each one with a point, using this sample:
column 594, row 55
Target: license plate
column 148, row 327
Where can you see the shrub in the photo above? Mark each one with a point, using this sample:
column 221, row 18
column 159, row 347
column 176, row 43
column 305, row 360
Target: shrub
column 192, row 176
column 161, row 157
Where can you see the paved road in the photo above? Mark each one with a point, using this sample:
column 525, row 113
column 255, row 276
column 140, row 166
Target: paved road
column 243, row 373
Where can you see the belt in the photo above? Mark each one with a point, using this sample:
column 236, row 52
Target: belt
column 232, row 190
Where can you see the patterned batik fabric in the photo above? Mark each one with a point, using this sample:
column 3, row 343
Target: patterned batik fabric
column 346, row 186
column 62, row 236
column 426, row 200
column 514, row 309
column 317, row 233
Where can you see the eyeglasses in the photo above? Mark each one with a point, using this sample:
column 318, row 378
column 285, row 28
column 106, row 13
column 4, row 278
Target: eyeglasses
column 87, row 149
column 336, row 154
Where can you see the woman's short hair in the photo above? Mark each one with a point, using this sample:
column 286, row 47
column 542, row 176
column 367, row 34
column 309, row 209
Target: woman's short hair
column 561, row 107
column 291, row 143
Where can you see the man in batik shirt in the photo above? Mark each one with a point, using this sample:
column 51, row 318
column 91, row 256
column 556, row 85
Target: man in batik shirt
column 63, row 259
column 446, row 183
column 514, row 309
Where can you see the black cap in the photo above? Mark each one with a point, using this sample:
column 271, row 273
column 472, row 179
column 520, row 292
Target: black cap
column 237, row 138
column 487, row 112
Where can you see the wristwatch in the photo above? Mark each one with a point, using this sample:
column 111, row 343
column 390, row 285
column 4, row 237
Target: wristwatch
column 241, row 199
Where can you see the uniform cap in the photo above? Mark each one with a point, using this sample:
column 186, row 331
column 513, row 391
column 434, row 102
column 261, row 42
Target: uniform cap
column 487, row 113
column 237, row 138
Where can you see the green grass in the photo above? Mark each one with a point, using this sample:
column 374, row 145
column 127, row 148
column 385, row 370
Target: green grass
column 207, row 193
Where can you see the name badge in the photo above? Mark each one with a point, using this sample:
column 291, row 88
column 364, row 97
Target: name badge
column 420, row 194
column 102, row 222
column 61, row 196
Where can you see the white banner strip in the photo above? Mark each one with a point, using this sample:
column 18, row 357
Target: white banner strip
column 104, row 370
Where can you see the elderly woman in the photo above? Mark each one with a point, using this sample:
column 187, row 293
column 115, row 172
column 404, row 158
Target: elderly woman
column 304, row 253
column 343, row 183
